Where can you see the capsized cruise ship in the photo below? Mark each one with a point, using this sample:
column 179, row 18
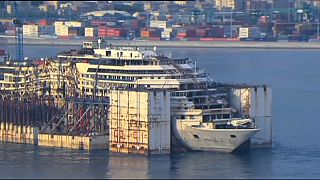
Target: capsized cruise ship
column 205, row 115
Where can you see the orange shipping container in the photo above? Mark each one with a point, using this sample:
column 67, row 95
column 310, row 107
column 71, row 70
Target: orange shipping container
column 145, row 33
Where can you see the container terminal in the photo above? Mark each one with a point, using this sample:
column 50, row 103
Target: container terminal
column 128, row 100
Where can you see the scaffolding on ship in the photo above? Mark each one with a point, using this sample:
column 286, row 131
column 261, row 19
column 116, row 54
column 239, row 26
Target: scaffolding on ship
column 45, row 94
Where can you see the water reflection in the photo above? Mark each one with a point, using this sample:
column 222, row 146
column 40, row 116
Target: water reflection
column 127, row 166
column 216, row 165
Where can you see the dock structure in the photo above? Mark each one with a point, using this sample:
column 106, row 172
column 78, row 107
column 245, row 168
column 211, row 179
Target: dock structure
column 76, row 123
column 140, row 122
column 81, row 125
column 255, row 102
column 22, row 117
column 43, row 105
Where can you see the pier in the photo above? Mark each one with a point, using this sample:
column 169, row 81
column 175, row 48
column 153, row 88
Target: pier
column 5, row 40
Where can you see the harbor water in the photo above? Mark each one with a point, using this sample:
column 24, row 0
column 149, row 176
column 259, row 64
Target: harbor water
column 295, row 80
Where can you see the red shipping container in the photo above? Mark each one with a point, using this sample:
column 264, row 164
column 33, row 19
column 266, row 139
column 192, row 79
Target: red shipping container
column 190, row 33
column 134, row 25
column 43, row 22
column 215, row 32
column 102, row 29
column 201, row 32
column 2, row 52
column 98, row 23
column 102, row 33
column 182, row 35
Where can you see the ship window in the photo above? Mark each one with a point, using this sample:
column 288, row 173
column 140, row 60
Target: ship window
column 195, row 136
column 233, row 136
column 226, row 116
column 108, row 53
column 206, row 118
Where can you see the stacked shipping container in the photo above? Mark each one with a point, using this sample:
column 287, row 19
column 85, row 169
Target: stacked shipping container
column 131, row 23
column 249, row 32
column 69, row 28
column 112, row 32
column 30, row 30
column 70, row 31
column 185, row 33
column 91, row 32
column 150, row 33
column 46, row 30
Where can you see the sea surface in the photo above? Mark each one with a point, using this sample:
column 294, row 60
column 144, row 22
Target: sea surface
column 294, row 76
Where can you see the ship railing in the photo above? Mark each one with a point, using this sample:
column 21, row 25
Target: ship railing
column 242, row 85
column 105, row 101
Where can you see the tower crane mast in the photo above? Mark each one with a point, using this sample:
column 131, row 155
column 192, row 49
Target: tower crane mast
column 18, row 34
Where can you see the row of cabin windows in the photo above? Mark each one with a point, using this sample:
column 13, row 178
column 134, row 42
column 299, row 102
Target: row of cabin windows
column 125, row 78
column 115, row 77
column 10, row 78
column 101, row 91
column 120, row 78
column 110, row 77
column 128, row 71
column 181, row 61
column 119, row 54
column 213, row 106
column 8, row 85
column 87, row 44
column 193, row 86
column 208, row 118
column 12, row 85
column 185, row 117
column 13, row 71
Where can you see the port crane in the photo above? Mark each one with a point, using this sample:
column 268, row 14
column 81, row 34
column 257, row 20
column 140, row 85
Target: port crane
column 18, row 34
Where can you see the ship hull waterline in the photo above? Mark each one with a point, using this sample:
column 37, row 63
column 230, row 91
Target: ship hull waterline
column 213, row 140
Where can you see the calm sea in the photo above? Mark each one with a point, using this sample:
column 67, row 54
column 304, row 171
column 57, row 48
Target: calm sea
column 294, row 76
